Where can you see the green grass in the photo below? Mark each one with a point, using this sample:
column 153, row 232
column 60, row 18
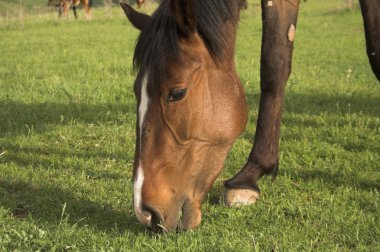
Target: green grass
column 9, row 5
column 67, row 141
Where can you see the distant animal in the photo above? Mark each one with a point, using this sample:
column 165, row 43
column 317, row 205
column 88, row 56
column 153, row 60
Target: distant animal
column 63, row 7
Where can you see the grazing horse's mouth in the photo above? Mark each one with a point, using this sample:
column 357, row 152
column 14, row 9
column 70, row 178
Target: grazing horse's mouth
column 179, row 220
column 156, row 219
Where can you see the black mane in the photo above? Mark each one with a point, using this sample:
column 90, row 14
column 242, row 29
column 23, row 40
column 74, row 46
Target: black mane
column 159, row 40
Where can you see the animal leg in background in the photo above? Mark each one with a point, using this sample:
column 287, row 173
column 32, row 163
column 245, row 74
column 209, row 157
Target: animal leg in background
column 65, row 8
column 279, row 19
column 60, row 10
column 87, row 4
column 371, row 17
column 140, row 3
column 75, row 12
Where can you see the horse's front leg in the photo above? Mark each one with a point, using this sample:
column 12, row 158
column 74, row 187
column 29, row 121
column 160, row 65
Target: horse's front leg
column 371, row 17
column 65, row 9
column 88, row 10
column 279, row 19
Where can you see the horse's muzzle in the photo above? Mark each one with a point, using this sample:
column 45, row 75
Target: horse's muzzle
column 153, row 219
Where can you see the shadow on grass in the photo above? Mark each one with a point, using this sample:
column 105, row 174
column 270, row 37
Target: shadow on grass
column 332, row 180
column 335, row 104
column 310, row 105
column 216, row 195
column 45, row 203
column 18, row 118
column 51, row 157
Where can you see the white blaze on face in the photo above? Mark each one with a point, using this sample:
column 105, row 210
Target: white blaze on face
column 142, row 216
column 143, row 102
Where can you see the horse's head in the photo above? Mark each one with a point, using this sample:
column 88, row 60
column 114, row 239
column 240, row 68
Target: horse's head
column 191, row 107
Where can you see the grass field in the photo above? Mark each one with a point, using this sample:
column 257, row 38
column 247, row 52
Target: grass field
column 67, row 140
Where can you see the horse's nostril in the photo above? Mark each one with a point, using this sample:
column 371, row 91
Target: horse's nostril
column 144, row 216
column 156, row 219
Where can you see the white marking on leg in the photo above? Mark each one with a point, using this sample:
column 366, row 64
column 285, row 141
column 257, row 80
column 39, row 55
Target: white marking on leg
column 240, row 197
column 143, row 216
column 291, row 33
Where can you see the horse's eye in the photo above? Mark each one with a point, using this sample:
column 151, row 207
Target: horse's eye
column 176, row 95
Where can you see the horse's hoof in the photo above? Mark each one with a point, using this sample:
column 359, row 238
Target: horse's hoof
column 240, row 197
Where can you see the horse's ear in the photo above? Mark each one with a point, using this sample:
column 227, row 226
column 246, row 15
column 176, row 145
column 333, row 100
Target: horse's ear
column 184, row 11
column 138, row 20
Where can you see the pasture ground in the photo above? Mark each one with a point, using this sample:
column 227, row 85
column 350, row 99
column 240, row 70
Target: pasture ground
column 67, row 116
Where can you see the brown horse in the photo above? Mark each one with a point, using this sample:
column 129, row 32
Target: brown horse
column 64, row 6
column 191, row 105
